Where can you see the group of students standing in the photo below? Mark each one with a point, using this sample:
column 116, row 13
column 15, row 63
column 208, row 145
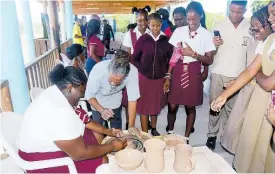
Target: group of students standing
column 177, row 72
column 168, row 75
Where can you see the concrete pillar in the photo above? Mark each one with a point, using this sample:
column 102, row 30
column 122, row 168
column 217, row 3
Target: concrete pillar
column 11, row 59
column 69, row 18
column 26, row 31
column 62, row 21
column 54, row 30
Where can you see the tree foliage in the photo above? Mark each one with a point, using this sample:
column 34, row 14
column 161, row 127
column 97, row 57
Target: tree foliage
column 257, row 4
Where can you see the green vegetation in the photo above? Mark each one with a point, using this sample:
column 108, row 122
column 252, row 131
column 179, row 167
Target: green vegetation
column 257, row 4
column 212, row 19
column 122, row 21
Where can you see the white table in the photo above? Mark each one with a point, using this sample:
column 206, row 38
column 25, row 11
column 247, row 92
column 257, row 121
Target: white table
column 206, row 162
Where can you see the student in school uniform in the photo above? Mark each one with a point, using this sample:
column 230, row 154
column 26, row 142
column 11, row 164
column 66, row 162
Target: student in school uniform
column 184, row 81
column 260, row 29
column 253, row 153
column 130, row 40
column 95, row 46
column 151, row 57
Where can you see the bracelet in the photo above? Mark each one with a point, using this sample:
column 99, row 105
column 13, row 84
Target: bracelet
column 168, row 74
column 167, row 77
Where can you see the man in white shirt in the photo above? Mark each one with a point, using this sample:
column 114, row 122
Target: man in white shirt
column 229, row 62
column 104, row 90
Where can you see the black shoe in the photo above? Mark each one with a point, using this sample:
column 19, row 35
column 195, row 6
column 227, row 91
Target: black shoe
column 154, row 132
column 169, row 131
column 211, row 142
column 127, row 126
column 192, row 130
column 149, row 125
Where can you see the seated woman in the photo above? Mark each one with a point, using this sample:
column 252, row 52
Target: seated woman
column 53, row 128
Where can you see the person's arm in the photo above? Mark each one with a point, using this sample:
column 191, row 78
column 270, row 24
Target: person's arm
column 98, row 128
column 78, row 150
column 245, row 77
column 94, row 103
column 132, row 87
column 92, row 52
column 128, row 50
column 132, row 108
column 266, row 82
column 206, row 59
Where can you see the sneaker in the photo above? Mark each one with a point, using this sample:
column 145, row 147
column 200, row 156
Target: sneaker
column 192, row 130
column 169, row 131
column 211, row 142
column 154, row 132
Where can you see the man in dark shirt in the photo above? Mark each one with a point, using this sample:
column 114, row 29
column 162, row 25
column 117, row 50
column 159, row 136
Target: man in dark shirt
column 107, row 29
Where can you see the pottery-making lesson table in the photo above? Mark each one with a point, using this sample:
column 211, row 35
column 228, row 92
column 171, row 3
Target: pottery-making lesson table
column 206, row 162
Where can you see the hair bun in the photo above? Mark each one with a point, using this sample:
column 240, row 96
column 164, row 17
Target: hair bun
column 57, row 74
column 147, row 8
column 134, row 9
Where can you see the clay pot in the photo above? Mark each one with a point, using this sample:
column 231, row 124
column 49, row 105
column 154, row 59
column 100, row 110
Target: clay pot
column 128, row 159
column 154, row 160
column 183, row 162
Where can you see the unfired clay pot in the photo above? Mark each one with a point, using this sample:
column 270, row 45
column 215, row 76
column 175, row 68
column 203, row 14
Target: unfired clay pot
column 154, row 159
column 128, row 159
column 183, row 162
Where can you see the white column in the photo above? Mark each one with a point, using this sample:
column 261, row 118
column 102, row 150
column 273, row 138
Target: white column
column 62, row 21
column 26, row 31
column 69, row 18
column 11, row 60
column 51, row 17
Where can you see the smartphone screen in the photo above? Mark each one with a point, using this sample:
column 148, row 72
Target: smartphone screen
column 217, row 33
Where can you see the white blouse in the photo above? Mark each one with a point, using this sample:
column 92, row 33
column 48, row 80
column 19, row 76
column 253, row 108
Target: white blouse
column 201, row 43
column 127, row 41
column 49, row 118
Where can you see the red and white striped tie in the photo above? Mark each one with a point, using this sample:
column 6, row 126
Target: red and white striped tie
column 185, row 76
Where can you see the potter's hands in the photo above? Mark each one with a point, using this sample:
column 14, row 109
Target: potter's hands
column 271, row 114
column 217, row 104
column 166, row 86
column 134, row 131
column 228, row 84
column 118, row 145
column 114, row 133
column 217, row 41
column 117, row 132
column 106, row 114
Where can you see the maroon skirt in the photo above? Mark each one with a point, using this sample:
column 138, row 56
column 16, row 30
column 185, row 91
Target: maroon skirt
column 85, row 166
column 152, row 99
column 186, row 84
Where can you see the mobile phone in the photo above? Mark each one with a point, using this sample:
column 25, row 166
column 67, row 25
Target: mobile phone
column 217, row 33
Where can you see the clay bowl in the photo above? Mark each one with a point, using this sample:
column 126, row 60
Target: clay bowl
column 128, row 159
column 173, row 139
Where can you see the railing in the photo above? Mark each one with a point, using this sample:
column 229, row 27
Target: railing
column 41, row 46
column 64, row 45
column 38, row 70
